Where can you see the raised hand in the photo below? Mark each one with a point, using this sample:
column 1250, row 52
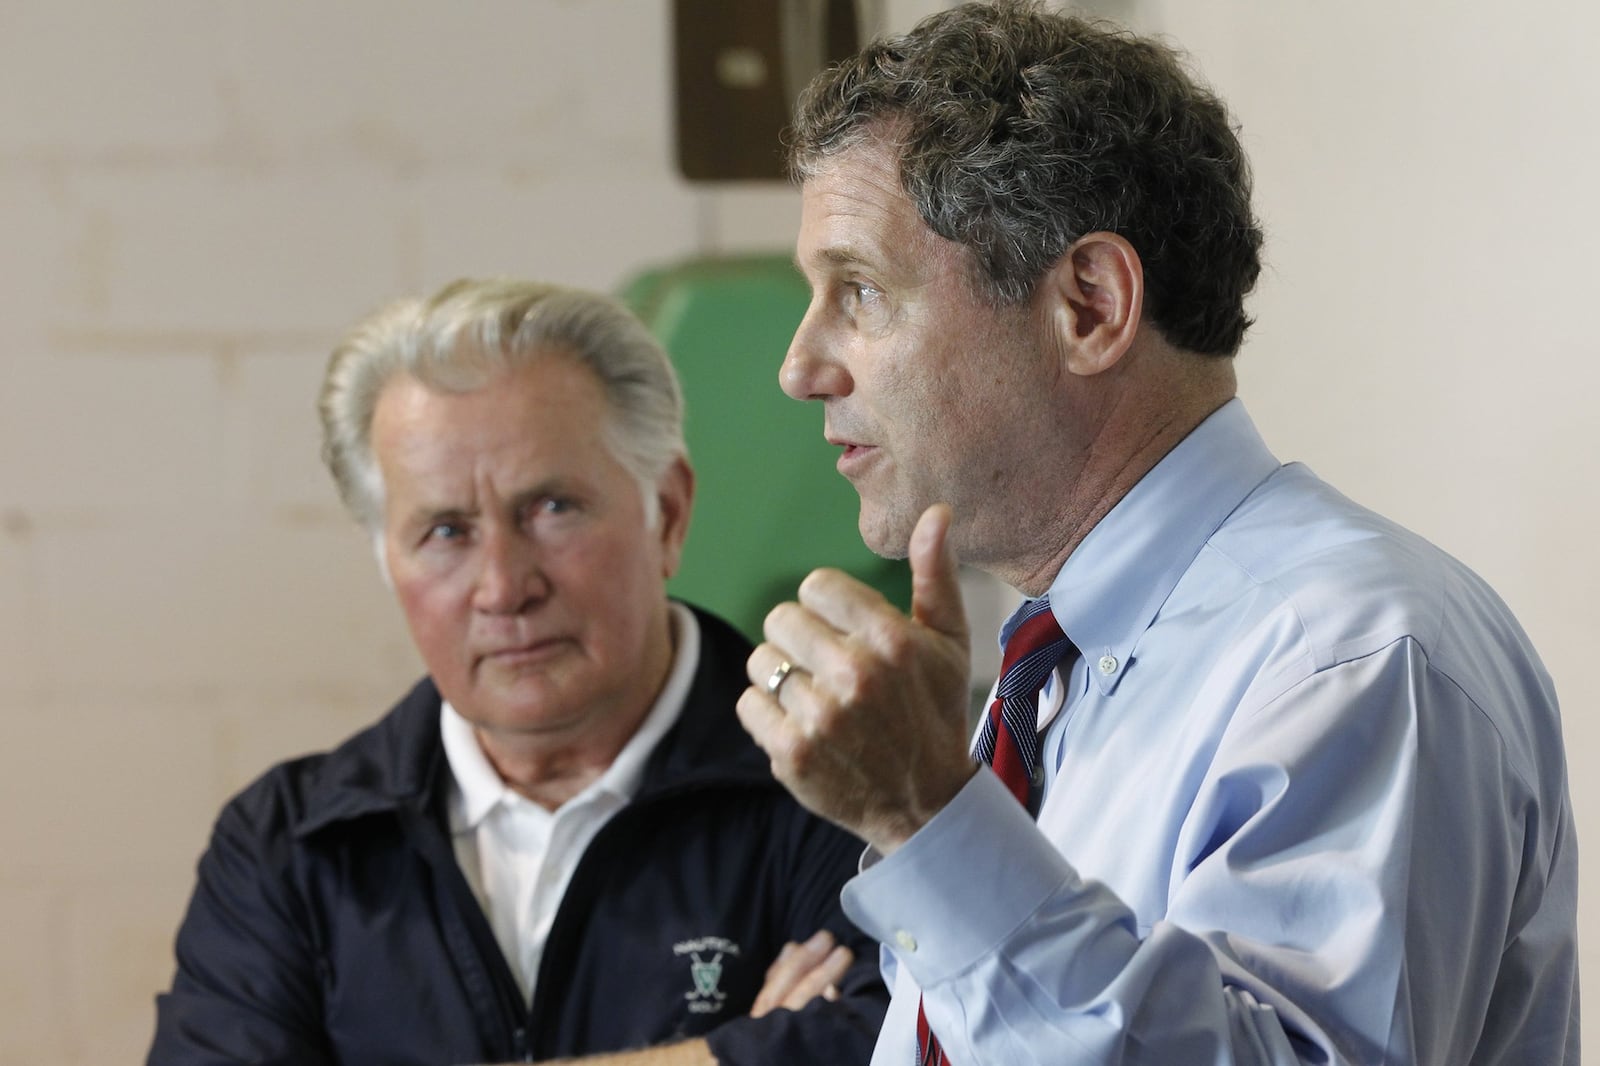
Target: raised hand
column 868, row 729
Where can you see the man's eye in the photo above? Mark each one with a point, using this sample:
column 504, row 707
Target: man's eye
column 446, row 531
column 864, row 303
column 549, row 507
column 863, row 293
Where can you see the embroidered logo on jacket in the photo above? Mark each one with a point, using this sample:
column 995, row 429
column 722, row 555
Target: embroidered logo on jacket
column 705, row 971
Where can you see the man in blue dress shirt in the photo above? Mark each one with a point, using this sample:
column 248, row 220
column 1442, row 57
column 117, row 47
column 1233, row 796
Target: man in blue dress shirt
column 1302, row 794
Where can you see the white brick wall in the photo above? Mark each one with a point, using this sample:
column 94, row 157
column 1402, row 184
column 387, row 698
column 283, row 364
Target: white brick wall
column 196, row 196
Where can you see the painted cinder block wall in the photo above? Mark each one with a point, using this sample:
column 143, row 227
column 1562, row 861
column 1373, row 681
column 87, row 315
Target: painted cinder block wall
column 197, row 197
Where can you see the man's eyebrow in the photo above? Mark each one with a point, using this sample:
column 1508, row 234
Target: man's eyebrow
column 555, row 486
column 833, row 255
column 428, row 514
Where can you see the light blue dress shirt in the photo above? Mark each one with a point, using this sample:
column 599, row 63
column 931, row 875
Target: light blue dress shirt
column 1306, row 803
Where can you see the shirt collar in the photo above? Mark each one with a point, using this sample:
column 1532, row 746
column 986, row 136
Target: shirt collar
column 476, row 788
column 1114, row 582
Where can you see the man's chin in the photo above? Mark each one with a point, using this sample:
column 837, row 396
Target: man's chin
column 887, row 535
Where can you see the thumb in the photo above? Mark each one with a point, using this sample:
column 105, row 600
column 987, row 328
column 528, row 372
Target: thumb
column 935, row 584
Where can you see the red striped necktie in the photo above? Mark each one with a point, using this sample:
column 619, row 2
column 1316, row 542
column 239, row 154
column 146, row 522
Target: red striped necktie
column 1009, row 741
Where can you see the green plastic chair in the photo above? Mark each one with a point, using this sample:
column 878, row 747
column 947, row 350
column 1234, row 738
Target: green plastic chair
column 769, row 505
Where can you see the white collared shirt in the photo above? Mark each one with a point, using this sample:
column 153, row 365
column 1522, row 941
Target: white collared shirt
column 519, row 857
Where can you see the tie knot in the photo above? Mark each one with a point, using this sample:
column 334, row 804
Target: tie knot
column 1034, row 648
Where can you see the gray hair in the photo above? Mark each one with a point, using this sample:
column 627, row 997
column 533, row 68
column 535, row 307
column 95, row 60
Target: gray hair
column 1020, row 130
column 471, row 330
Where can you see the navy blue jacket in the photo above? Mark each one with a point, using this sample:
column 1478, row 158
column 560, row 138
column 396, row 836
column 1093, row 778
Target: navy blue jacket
column 332, row 924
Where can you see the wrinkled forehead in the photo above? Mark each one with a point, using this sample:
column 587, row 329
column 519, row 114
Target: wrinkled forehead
column 505, row 401
column 855, row 213
column 854, row 197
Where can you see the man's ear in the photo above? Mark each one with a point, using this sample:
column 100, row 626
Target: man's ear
column 1095, row 296
column 675, row 498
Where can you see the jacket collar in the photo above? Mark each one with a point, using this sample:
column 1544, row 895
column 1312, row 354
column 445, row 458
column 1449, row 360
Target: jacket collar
column 398, row 763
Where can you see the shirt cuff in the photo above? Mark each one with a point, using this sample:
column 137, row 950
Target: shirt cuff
column 961, row 885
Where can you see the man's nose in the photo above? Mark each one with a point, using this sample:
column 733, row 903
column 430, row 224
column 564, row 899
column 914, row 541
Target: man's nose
column 812, row 370
column 510, row 579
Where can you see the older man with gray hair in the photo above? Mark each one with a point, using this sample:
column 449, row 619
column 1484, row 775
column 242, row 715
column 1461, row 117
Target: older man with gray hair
column 560, row 843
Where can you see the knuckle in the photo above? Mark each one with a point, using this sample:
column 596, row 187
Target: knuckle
column 798, row 757
column 774, row 621
column 853, row 690
column 747, row 710
column 789, row 752
column 825, row 712
column 857, row 677
column 818, row 581
column 894, row 641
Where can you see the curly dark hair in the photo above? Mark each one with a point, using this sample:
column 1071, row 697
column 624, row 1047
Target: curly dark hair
column 1020, row 130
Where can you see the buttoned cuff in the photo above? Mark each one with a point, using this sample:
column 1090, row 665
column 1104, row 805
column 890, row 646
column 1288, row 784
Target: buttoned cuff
column 961, row 885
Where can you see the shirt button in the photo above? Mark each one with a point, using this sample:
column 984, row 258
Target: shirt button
column 1108, row 664
column 906, row 941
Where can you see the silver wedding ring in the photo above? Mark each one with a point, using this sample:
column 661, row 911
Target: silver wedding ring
column 775, row 682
